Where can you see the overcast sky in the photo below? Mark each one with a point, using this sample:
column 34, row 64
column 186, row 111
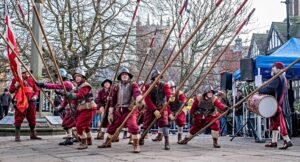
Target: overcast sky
column 266, row 12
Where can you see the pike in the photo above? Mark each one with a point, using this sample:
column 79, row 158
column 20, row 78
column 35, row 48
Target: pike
column 177, row 40
column 166, row 40
column 34, row 40
column 120, row 59
column 149, row 46
column 18, row 57
column 199, row 26
column 202, row 79
column 48, row 45
column 217, row 37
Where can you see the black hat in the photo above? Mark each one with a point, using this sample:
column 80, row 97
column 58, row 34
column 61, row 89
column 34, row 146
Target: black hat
column 106, row 80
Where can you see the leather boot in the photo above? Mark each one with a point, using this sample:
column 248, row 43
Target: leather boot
column 167, row 144
column 184, row 141
column 286, row 145
column 68, row 141
column 179, row 137
column 106, row 144
column 215, row 143
column 33, row 135
column 142, row 141
column 83, row 144
column 89, row 141
column 158, row 137
column 130, row 141
column 17, row 135
column 136, row 146
column 100, row 136
column 271, row 144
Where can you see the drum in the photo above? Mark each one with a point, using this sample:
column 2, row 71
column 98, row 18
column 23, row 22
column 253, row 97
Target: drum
column 263, row 105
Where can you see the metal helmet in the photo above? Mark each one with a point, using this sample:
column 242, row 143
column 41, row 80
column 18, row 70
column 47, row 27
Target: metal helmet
column 140, row 82
column 171, row 84
column 80, row 72
column 154, row 73
column 208, row 88
column 106, row 80
column 63, row 72
column 69, row 76
column 124, row 70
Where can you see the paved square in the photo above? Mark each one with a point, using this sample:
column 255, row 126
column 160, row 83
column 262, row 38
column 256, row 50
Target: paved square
column 199, row 149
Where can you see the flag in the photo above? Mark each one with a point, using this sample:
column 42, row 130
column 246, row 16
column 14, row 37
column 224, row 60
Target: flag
column 20, row 95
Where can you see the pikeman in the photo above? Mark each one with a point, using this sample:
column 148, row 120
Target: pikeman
column 32, row 92
column 69, row 118
column 174, row 107
column 203, row 111
column 101, row 101
column 156, row 99
column 85, row 108
column 278, row 88
column 123, row 94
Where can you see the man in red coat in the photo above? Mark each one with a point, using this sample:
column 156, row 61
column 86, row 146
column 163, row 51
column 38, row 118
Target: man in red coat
column 203, row 112
column 86, row 108
column 101, row 104
column 156, row 99
column 69, row 119
column 279, row 89
column 32, row 93
column 174, row 107
column 122, row 96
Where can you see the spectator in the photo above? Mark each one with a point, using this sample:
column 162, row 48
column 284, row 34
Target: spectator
column 223, row 121
column 239, row 112
column 5, row 100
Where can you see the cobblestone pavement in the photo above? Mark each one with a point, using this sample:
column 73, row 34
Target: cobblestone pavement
column 199, row 149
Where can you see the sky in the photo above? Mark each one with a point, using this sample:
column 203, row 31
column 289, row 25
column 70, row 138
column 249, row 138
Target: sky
column 266, row 12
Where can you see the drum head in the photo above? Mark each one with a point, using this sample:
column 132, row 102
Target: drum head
column 267, row 107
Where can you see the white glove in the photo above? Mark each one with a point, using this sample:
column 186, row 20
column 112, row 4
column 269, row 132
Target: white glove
column 157, row 114
column 102, row 110
column 171, row 117
column 17, row 85
column 34, row 98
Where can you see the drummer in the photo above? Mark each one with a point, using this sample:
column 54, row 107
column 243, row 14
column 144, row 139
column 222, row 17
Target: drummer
column 278, row 88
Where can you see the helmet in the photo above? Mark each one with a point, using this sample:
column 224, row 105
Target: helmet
column 155, row 73
column 171, row 83
column 69, row 76
column 62, row 72
column 80, row 72
column 106, row 80
column 140, row 82
column 208, row 88
column 124, row 70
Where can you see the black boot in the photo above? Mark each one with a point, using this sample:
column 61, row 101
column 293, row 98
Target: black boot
column 179, row 137
column 158, row 137
column 215, row 143
column 124, row 134
column 17, row 134
column 286, row 145
column 68, row 141
column 167, row 145
column 33, row 135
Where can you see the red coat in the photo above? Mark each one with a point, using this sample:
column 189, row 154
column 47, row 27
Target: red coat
column 32, row 89
column 69, row 86
column 217, row 103
column 148, row 101
column 102, row 97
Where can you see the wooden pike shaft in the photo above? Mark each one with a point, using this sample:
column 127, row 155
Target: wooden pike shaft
column 199, row 26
